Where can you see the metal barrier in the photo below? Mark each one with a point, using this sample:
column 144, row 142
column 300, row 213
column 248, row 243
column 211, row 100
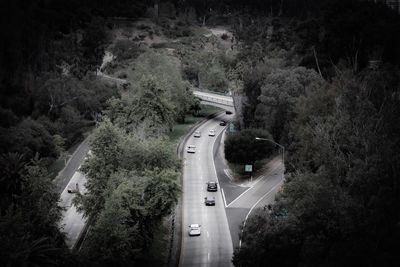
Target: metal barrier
column 218, row 99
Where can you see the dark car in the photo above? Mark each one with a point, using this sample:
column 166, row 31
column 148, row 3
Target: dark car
column 222, row 123
column 228, row 112
column 212, row 186
column 209, row 201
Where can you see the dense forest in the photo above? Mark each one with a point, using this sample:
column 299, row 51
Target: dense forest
column 326, row 86
column 320, row 77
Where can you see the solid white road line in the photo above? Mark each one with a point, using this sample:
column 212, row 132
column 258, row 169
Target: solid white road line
column 258, row 201
column 223, row 197
column 215, row 169
column 239, row 196
column 260, row 179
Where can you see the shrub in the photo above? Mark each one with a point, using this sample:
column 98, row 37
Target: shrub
column 126, row 49
column 122, row 75
column 243, row 148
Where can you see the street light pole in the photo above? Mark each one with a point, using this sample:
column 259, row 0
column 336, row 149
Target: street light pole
column 282, row 147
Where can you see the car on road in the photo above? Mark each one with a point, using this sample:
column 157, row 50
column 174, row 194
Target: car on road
column 212, row 186
column 73, row 189
column 222, row 123
column 194, row 230
column 228, row 112
column 197, row 134
column 211, row 133
column 191, row 149
column 209, row 201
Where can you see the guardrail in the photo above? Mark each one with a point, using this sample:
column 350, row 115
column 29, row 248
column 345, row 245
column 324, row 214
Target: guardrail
column 225, row 100
column 211, row 92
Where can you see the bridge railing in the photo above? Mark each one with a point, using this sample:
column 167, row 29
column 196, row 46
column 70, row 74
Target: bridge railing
column 217, row 101
column 210, row 92
column 227, row 101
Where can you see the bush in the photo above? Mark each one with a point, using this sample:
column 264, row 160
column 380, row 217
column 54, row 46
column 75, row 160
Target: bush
column 126, row 49
column 143, row 27
column 29, row 137
column 122, row 75
column 243, row 148
column 213, row 78
column 224, row 36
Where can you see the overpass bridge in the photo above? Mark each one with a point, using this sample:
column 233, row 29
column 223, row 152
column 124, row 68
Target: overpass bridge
column 216, row 100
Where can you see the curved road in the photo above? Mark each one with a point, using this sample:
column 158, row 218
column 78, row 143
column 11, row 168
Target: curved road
column 214, row 246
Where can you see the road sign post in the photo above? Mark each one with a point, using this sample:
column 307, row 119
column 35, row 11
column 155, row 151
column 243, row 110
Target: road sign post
column 231, row 128
column 249, row 169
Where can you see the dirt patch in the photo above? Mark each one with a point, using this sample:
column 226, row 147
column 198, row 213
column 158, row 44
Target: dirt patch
column 224, row 35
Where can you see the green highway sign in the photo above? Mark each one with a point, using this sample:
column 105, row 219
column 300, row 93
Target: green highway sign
column 231, row 127
column 248, row 168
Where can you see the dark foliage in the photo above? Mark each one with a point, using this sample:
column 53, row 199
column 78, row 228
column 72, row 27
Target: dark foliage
column 29, row 215
column 339, row 209
column 238, row 145
column 339, row 206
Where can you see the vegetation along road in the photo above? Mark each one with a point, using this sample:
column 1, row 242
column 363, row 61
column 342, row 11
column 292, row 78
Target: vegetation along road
column 288, row 113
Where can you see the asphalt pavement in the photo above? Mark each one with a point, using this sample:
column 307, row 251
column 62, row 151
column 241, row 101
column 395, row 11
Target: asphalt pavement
column 72, row 222
column 214, row 246
column 242, row 198
column 76, row 159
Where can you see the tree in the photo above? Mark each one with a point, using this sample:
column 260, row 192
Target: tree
column 339, row 203
column 239, row 144
column 115, row 237
column 29, row 137
column 195, row 106
column 213, row 78
column 11, row 181
column 107, row 151
column 253, row 79
column 56, row 93
column 278, row 97
column 124, row 231
column 29, row 222
column 148, row 154
column 152, row 105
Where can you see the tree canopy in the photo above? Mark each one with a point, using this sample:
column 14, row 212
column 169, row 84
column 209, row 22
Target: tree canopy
column 238, row 145
column 343, row 185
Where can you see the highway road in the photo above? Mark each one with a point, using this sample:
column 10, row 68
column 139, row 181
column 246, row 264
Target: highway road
column 214, row 246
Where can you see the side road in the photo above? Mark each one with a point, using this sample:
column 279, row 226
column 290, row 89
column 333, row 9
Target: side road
column 242, row 198
column 65, row 175
column 72, row 222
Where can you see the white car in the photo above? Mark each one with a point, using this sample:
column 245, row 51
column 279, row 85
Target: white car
column 197, row 134
column 191, row 149
column 194, row 230
column 211, row 133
